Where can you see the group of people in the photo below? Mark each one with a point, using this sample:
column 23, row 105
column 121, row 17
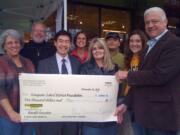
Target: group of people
column 148, row 73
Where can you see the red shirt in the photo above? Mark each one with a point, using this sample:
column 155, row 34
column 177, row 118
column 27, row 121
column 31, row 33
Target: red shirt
column 83, row 59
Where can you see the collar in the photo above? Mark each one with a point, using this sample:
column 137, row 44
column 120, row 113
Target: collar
column 162, row 34
column 37, row 44
column 153, row 41
column 59, row 57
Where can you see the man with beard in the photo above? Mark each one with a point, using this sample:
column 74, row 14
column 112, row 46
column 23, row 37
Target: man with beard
column 38, row 49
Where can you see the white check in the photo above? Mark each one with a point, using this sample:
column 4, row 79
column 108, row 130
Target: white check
column 50, row 97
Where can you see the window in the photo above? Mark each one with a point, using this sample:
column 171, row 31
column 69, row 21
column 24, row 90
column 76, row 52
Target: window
column 115, row 20
column 97, row 21
column 84, row 18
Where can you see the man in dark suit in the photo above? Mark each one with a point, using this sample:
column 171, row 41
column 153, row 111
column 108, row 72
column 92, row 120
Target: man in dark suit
column 155, row 89
column 60, row 63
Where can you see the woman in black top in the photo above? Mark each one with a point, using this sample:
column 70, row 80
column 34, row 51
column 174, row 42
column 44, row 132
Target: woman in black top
column 99, row 63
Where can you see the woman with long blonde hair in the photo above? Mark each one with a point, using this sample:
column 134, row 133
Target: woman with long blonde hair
column 99, row 63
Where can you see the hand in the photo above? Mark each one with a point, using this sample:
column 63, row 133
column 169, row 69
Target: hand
column 121, row 75
column 120, row 110
column 14, row 116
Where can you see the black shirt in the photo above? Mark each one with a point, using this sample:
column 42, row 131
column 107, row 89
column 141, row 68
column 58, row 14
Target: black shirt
column 37, row 51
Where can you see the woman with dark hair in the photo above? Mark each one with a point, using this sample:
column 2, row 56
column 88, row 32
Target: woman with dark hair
column 134, row 48
column 12, row 64
column 81, row 45
column 135, row 45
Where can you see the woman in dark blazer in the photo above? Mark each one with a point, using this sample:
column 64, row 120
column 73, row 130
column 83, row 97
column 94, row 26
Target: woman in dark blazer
column 99, row 63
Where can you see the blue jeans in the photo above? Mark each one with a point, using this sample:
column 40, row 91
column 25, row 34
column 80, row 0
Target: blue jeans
column 158, row 132
column 8, row 127
column 59, row 128
column 138, row 129
column 112, row 130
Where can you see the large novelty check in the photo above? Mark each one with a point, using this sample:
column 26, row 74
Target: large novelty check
column 90, row 98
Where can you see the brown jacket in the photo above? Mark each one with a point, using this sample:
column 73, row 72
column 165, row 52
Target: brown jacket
column 155, row 89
